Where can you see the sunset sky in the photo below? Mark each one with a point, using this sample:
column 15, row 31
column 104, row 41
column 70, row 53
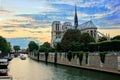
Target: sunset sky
column 24, row 20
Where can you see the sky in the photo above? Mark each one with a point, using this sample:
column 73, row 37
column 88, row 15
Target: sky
column 24, row 20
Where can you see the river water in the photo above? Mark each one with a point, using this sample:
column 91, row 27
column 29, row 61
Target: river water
column 32, row 70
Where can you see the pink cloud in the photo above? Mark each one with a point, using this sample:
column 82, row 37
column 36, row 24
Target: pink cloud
column 5, row 11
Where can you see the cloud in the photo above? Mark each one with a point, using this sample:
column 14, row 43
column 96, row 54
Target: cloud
column 9, row 31
column 35, row 31
column 7, row 26
column 34, row 17
column 3, row 11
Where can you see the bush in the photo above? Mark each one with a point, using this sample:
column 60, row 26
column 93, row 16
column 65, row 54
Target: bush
column 102, row 57
column 86, row 55
column 113, row 45
column 69, row 55
column 80, row 57
column 46, row 56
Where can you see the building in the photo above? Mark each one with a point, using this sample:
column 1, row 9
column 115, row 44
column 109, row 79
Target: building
column 59, row 29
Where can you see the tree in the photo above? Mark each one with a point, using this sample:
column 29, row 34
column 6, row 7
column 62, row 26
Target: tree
column 46, row 45
column 102, row 57
column 86, row 38
column 74, row 46
column 86, row 60
column 116, row 37
column 58, row 47
column 112, row 45
column 80, row 57
column 8, row 47
column 71, row 35
column 16, row 48
column 42, row 49
column 46, row 56
column 102, row 39
column 4, row 46
column 69, row 55
column 33, row 46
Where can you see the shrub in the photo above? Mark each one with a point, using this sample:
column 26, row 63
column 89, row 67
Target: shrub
column 102, row 57
column 80, row 57
column 69, row 55
column 86, row 55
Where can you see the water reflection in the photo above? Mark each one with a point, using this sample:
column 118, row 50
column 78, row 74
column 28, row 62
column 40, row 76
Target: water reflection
column 31, row 70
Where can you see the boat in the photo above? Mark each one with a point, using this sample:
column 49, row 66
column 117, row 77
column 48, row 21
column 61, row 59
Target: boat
column 3, row 67
column 6, row 78
column 4, row 70
column 22, row 57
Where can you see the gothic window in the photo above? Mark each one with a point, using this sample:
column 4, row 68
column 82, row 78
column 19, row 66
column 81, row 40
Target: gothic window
column 91, row 33
column 95, row 33
column 57, row 27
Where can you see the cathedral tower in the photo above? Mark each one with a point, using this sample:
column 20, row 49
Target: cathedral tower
column 56, row 31
column 76, row 18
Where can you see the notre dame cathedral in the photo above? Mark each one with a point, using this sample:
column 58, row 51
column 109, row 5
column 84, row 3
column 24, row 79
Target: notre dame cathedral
column 59, row 29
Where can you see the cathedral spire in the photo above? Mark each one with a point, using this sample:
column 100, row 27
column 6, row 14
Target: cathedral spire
column 75, row 18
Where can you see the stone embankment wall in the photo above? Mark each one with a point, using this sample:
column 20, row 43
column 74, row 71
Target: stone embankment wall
column 111, row 61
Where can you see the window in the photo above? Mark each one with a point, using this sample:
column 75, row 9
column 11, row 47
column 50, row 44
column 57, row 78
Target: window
column 57, row 27
column 91, row 33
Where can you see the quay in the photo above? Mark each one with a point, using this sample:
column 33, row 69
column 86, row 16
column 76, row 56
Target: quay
column 95, row 65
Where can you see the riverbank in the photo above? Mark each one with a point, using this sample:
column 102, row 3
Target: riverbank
column 30, row 69
column 74, row 63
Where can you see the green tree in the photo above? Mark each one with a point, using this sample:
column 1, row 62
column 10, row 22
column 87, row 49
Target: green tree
column 16, row 48
column 86, row 38
column 8, row 47
column 74, row 46
column 46, row 45
column 51, row 49
column 80, row 55
column 116, row 37
column 69, row 55
column 71, row 35
column 102, row 39
column 113, row 45
column 46, row 56
column 102, row 57
column 86, row 55
column 43, row 49
column 33, row 46
column 58, row 47
column 4, row 46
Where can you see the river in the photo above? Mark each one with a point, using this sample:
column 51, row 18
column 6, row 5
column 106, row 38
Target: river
column 32, row 70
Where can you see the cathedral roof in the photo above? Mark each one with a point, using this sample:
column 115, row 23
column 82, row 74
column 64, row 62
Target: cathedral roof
column 70, row 27
column 87, row 25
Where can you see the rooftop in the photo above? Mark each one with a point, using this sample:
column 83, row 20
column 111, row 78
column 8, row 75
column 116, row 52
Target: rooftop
column 87, row 25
